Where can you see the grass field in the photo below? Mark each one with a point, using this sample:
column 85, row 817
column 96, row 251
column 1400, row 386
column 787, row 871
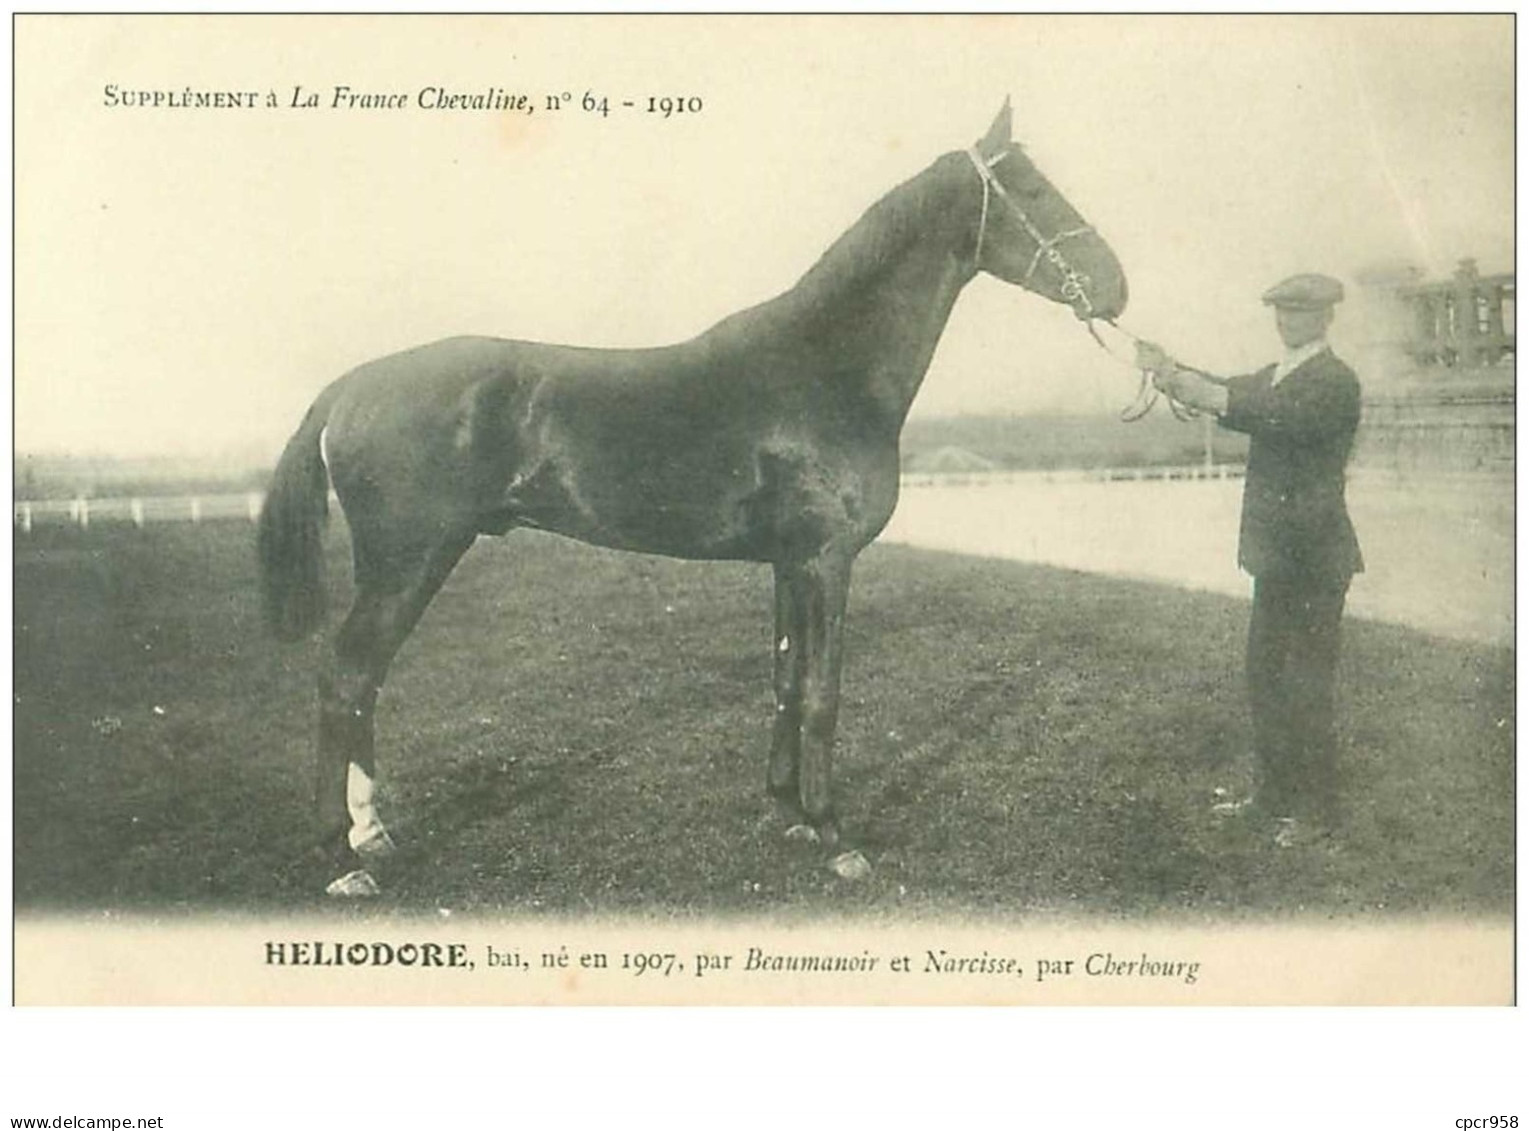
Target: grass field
column 576, row 730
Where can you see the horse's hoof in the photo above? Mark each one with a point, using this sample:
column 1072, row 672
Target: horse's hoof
column 376, row 846
column 805, row 833
column 354, row 885
column 850, row 865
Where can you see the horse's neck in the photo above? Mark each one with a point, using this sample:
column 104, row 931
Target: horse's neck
column 872, row 309
column 898, row 323
column 879, row 299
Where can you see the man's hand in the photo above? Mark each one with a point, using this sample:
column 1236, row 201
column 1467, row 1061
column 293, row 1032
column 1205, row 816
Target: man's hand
column 1154, row 359
column 1189, row 387
column 1183, row 385
column 1174, row 382
column 1166, row 374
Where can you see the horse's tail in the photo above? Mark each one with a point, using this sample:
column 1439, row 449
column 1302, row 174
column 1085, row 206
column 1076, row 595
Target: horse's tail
column 291, row 530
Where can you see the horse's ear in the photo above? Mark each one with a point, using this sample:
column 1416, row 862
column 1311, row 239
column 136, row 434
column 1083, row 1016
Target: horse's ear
column 999, row 133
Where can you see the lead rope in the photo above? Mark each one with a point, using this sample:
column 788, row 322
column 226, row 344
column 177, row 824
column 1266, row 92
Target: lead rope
column 1147, row 394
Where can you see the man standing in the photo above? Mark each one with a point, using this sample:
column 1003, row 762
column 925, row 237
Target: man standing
column 1296, row 541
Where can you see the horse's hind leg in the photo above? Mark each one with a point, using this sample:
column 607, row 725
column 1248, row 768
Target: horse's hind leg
column 394, row 585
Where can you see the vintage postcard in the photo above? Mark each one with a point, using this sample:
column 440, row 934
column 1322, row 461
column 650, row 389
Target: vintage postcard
column 748, row 510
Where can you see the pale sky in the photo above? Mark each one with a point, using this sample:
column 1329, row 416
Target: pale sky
column 188, row 280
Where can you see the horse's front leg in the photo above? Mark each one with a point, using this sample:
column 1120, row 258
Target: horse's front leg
column 789, row 648
column 825, row 590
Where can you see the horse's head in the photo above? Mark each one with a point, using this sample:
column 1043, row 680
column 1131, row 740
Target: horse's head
column 1028, row 234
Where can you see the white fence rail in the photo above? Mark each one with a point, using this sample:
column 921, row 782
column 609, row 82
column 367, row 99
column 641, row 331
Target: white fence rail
column 139, row 511
column 1071, row 475
column 82, row 512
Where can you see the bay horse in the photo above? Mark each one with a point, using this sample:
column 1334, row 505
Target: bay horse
column 771, row 437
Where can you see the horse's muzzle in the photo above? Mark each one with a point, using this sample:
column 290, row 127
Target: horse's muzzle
column 1104, row 301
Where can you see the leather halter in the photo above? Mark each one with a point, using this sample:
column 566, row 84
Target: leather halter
column 1074, row 282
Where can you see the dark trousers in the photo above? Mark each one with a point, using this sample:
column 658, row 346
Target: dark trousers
column 1292, row 666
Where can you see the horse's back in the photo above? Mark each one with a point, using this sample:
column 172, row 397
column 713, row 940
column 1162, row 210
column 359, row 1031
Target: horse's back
column 685, row 450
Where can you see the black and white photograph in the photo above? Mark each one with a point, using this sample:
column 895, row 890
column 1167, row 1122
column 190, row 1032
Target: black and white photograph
column 751, row 510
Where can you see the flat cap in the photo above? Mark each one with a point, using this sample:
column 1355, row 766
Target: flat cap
column 1305, row 292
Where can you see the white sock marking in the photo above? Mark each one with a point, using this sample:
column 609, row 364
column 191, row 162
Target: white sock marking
column 359, row 795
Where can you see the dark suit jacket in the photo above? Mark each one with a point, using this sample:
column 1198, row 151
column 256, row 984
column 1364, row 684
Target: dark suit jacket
column 1294, row 519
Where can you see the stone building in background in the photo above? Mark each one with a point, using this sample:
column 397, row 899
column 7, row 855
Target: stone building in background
column 1437, row 360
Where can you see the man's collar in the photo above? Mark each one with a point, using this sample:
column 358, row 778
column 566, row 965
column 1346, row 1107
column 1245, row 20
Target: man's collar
column 1298, row 357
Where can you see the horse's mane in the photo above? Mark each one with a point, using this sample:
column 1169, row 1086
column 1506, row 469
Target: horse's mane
column 871, row 244
column 875, row 240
